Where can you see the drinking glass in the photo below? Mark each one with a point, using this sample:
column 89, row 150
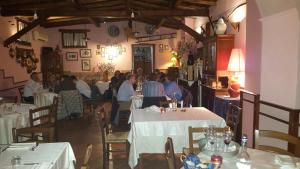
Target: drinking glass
column 227, row 139
column 210, row 136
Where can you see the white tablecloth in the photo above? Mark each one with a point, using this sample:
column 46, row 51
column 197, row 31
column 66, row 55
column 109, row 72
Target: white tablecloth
column 150, row 129
column 44, row 98
column 102, row 86
column 48, row 156
column 259, row 160
column 13, row 116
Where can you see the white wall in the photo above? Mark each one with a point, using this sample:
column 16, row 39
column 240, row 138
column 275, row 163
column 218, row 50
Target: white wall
column 280, row 55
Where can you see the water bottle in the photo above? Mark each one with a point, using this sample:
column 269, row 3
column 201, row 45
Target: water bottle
column 174, row 102
column 243, row 158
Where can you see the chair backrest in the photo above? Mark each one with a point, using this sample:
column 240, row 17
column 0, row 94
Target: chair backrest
column 72, row 101
column 54, row 108
column 169, row 153
column 9, row 99
column 87, row 156
column 40, row 116
column 199, row 130
column 186, row 96
column 21, row 92
column 149, row 101
column 38, row 134
column 280, row 136
column 233, row 119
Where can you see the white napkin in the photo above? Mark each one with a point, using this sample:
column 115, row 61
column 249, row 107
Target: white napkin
column 153, row 108
column 21, row 146
column 285, row 161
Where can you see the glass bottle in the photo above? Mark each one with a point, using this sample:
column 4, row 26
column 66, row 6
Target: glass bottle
column 174, row 102
column 243, row 158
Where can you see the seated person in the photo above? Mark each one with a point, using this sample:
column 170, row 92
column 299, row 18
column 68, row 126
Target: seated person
column 140, row 75
column 83, row 88
column 31, row 87
column 105, row 75
column 66, row 83
column 171, row 87
column 123, row 97
column 126, row 89
column 152, row 88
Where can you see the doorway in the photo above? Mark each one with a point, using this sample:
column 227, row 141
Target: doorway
column 143, row 57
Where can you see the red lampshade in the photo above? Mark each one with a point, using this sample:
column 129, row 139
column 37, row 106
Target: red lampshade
column 236, row 61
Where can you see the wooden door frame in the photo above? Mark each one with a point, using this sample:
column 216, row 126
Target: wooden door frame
column 145, row 44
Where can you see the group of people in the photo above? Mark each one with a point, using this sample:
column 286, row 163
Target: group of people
column 155, row 84
column 34, row 85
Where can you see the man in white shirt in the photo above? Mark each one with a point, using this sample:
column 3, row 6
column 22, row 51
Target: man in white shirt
column 31, row 87
column 83, row 88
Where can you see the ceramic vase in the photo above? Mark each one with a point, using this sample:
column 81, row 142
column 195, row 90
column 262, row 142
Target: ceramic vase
column 220, row 27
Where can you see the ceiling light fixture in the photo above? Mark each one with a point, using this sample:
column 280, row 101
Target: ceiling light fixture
column 35, row 15
column 132, row 14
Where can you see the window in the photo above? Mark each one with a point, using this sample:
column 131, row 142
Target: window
column 74, row 38
column 25, row 39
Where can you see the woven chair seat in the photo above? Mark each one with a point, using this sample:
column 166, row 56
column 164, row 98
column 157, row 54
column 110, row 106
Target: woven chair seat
column 116, row 137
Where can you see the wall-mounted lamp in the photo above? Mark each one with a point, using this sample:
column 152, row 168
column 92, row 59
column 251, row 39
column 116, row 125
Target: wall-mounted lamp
column 236, row 65
column 237, row 15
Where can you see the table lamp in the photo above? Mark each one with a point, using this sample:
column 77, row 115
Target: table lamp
column 236, row 65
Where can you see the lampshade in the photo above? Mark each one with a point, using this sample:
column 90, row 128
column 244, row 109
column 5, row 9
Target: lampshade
column 236, row 61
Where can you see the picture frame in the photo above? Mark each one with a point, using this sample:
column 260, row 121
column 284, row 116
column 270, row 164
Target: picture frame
column 160, row 47
column 85, row 53
column 98, row 52
column 98, row 46
column 86, row 64
column 167, row 48
column 72, row 56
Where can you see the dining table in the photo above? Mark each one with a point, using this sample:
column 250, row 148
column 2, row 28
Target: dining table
column 150, row 129
column 13, row 115
column 44, row 98
column 43, row 156
column 258, row 160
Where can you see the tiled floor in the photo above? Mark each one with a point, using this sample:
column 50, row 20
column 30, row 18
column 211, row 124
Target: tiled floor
column 81, row 132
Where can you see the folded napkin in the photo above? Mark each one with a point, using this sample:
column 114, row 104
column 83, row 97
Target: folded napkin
column 285, row 161
column 22, row 146
column 153, row 108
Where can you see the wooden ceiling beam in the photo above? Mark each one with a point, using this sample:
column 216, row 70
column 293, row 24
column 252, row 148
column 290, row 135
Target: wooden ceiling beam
column 42, row 6
column 94, row 21
column 26, row 29
column 110, row 13
column 153, row 22
column 198, row 37
column 148, row 5
column 201, row 2
column 65, row 23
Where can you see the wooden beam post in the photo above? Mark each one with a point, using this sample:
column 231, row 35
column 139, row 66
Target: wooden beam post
column 24, row 30
column 198, row 37
column 94, row 21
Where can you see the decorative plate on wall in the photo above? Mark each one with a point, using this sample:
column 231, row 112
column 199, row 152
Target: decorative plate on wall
column 113, row 31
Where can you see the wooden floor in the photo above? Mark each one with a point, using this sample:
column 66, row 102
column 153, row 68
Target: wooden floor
column 81, row 132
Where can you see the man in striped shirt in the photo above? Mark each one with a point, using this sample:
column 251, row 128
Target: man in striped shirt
column 152, row 88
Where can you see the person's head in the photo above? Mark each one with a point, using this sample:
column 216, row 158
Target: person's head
column 139, row 71
column 162, row 77
column 64, row 77
column 156, row 71
column 117, row 73
column 35, row 77
column 171, row 77
column 152, row 77
column 131, row 78
column 73, row 78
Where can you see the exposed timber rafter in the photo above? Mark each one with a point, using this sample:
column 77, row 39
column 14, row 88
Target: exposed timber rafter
column 26, row 29
column 198, row 37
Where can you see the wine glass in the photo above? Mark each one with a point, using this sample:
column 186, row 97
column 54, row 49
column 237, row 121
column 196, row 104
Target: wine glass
column 227, row 139
column 210, row 136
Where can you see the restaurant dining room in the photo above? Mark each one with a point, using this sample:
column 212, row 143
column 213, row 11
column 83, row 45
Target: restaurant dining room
column 149, row 84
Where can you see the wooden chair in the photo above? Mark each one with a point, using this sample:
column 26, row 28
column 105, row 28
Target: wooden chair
column 193, row 141
column 109, row 138
column 40, row 116
column 54, row 108
column 9, row 99
column 169, row 153
column 21, row 92
column 233, row 119
column 29, row 134
column 87, row 156
column 280, row 136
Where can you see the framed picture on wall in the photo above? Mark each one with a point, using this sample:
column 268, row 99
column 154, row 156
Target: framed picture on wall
column 86, row 64
column 72, row 56
column 85, row 53
column 98, row 46
column 160, row 47
column 98, row 52
column 167, row 47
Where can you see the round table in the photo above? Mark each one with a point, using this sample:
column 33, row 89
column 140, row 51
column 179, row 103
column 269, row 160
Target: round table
column 44, row 98
column 13, row 115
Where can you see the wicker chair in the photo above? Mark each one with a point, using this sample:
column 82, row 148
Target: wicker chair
column 29, row 134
